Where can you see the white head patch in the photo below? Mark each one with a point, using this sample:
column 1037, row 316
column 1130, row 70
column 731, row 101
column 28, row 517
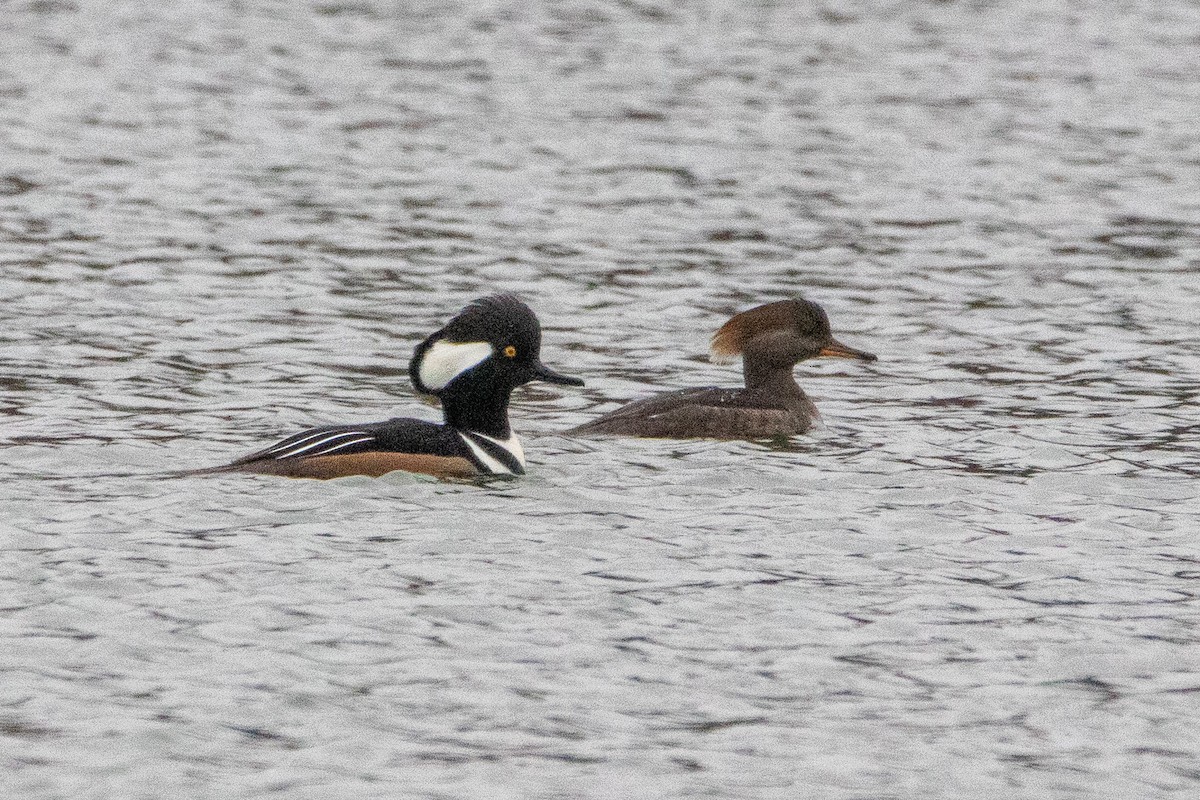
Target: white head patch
column 444, row 361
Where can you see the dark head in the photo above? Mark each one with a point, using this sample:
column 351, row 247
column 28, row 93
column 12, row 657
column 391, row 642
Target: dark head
column 476, row 359
column 777, row 336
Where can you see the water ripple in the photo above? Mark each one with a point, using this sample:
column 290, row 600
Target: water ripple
column 976, row 578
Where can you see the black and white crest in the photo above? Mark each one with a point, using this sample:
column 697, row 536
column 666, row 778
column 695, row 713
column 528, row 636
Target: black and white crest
column 500, row 327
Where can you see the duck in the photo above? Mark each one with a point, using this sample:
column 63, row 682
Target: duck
column 771, row 339
column 471, row 365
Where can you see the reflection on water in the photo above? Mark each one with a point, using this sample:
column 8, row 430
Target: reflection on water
column 222, row 223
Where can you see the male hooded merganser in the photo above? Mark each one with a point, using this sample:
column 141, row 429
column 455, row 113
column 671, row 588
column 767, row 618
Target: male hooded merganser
column 771, row 339
column 472, row 365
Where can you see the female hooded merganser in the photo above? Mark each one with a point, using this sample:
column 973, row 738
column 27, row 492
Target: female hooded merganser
column 472, row 365
column 771, row 339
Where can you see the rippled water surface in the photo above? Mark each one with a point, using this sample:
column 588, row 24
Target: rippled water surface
column 222, row 222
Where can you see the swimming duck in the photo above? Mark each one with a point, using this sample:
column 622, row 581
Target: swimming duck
column 472, row 364
column 771, row 340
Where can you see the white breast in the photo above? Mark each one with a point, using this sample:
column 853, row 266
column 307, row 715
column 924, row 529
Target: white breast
column 512, row 445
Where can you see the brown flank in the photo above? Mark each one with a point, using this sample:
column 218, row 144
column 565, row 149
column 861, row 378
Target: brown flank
column 371, row 464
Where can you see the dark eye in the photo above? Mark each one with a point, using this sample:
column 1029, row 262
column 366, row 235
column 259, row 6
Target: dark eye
column 510, row 351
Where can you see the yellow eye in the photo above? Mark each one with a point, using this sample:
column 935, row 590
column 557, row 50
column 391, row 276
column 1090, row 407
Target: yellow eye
column 510, row 351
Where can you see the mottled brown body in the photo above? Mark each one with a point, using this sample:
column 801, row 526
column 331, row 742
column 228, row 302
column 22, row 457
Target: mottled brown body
column 771, row 339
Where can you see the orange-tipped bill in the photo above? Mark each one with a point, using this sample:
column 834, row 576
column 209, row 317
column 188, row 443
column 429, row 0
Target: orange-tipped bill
column 835, row 349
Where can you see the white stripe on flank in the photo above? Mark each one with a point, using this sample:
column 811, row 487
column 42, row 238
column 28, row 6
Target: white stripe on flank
column 340, row 445
column 493, row 466
column 444, row 361
column 329, row 437
column 288, row 445
column 512, row 444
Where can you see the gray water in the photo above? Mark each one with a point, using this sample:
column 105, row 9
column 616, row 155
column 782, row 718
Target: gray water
column 223, row 222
